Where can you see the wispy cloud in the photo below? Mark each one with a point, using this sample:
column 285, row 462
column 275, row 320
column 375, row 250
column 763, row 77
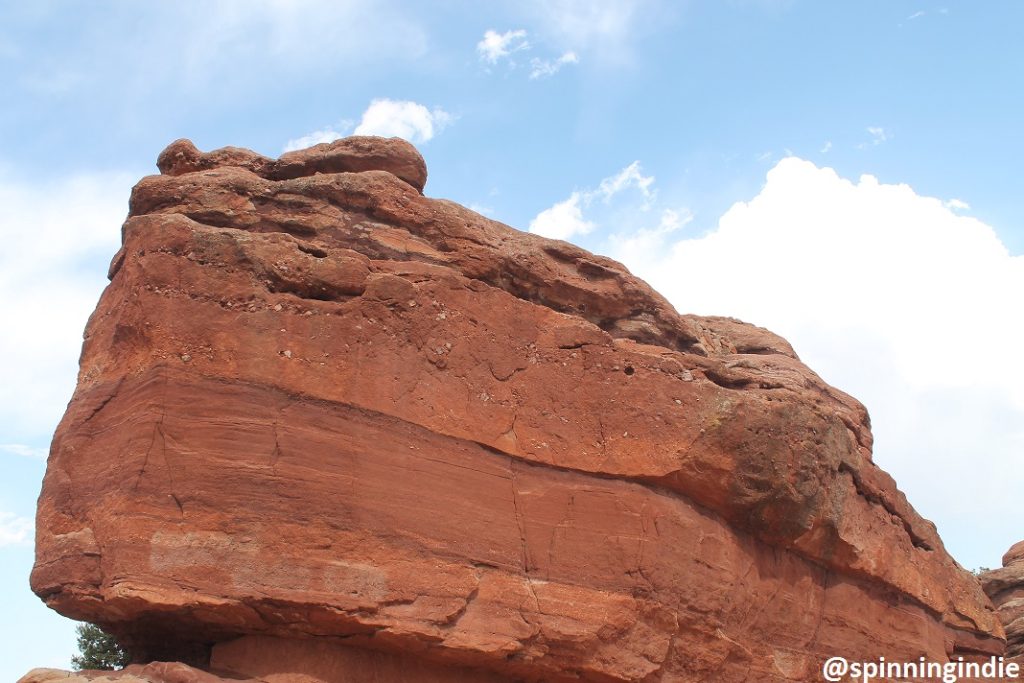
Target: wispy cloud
column 59, row 236
column 878, row 136
column 540, row 68
column 494, row 46
column 23, row 451
column 916, row 15
column 826, row 147
column 605, row 31
column 481, row 209
column 317, row 137
column 631, row 176
column 14, row 530
column 564, row 220
column 227, row 45
column 587, row 23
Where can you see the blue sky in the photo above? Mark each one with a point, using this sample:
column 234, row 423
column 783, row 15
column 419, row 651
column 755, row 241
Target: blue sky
column 845, row 173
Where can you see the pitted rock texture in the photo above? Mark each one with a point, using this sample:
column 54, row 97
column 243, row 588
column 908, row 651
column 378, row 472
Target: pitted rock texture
column 316, row 405
column 1005, row 587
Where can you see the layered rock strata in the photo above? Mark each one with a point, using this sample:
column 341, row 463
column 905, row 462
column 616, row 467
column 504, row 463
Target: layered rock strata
column 1005, row 586
column 319, row 409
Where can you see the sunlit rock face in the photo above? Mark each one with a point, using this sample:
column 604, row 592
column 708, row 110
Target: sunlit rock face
column 327, row 424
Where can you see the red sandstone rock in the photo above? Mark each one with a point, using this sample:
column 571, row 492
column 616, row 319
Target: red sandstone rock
column 155, row 672
column 1015, row 555
column 348, row 155
column 316, row 405
column 259, row 659
column 1005, row 587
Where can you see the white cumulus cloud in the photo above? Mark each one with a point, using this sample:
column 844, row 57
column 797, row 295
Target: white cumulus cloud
column 495, row 46
column 564, row 220
column 404, row 119
column 894, row 297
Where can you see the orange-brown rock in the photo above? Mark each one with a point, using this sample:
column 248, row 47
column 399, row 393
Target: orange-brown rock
column 259, row 659
column 317, row 409
column 349, row 155
column 1005, row 587
column 155, row 672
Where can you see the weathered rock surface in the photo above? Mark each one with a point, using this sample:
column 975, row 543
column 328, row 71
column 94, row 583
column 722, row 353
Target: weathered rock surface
column 1005, row 587
column 320, row 409
column 155, row 672
column 349, row 155
column 259, row 659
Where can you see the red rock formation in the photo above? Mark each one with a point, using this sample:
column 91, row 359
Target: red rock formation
column 321, row 410
column 1005, row 587
column 155, row 672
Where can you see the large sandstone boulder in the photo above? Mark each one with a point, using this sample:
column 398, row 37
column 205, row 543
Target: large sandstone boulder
column 319, row 412
column 1005, row 587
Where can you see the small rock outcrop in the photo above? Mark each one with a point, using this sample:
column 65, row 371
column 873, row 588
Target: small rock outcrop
column 1005, row 587
column 326, row 424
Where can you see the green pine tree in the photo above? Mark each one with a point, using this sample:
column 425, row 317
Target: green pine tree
column 98, row 650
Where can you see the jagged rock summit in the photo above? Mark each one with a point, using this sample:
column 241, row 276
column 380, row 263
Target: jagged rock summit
column 326, row 426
